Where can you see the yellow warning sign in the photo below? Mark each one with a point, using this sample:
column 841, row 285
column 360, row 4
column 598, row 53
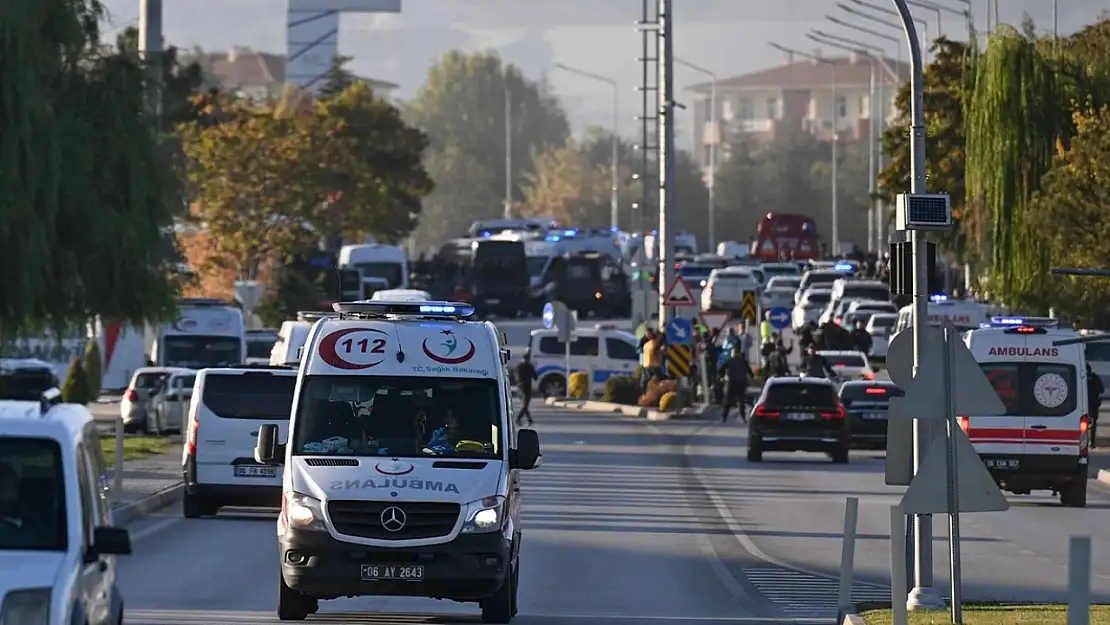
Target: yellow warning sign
column 679, row 359
column 749, row 310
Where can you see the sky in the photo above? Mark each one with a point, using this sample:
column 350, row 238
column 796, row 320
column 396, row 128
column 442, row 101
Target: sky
column 726, row 37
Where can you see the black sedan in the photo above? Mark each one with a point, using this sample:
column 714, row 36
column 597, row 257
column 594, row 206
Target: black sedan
column 867, row 403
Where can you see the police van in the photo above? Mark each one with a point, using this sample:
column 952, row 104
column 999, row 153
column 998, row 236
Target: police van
column 603, row 351
column 1041, row 442
column 402, row 466
column 57, row 537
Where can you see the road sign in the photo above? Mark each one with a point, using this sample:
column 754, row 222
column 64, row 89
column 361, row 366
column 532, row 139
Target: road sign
column 564, row 320
column 679, row 294
column 899, row 356
column 780, row 317
column 679, row 359
column 749, row 310
column 715, row 319
column 548, row 315
column 248, row 292
column 976, row 489
column 680, row 331
column 972, row 392
column 898, row 460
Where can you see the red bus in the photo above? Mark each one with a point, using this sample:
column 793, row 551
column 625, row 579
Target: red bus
column 782, row 237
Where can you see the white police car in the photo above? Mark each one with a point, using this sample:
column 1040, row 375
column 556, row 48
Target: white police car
column 57, row 543
column 602, row 350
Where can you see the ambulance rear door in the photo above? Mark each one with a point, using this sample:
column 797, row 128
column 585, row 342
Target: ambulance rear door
column 1000, row 436
column 1056, row 397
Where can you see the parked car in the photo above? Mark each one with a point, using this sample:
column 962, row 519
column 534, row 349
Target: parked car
column 136, row 406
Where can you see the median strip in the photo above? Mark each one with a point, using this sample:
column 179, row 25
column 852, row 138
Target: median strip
column 135, row 447
column 993, row 614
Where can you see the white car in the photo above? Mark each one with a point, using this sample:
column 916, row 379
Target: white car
column 401, row 295
column 879, row 326
column 849, row 364
column 875, row 306
column 59, row 547
column 726, row 287
column 603, row 350
column 777, row 298
column 785, row 282
column 774, row 270
column 136, row 406
column 229, row 406
column 809, row 306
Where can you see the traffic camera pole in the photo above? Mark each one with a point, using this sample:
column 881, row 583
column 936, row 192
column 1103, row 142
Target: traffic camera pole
column 150, row 49
column 665, row 139
column 923, row 596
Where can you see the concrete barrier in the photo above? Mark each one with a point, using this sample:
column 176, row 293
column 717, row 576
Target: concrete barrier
column 128, row 512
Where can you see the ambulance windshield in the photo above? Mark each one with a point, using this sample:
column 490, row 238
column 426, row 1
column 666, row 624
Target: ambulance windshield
column 398, row 417
column 1034, row 389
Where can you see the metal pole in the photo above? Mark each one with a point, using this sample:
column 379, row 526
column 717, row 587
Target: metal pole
column 150, row 49
column 666, row 155
column 1055, row 24
column 954, row 571
column 713, row 163
column 872, row 238
column 898, row 566
column 1079, row 580
column 645, row 121
column 847, row 556
column 923, row 595
column 614, row 199
column 880, row 216
column 835, row 158
column 509, row 151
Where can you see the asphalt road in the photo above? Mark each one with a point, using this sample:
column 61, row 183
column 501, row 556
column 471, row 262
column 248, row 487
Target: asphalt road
column 616, row 532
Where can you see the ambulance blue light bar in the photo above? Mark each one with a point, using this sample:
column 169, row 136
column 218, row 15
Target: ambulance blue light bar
column 381, row 308
column 844, row 267
column 938, row 297
column 1028, row 322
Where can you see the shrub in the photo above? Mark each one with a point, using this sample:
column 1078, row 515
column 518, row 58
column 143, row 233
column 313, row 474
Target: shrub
column 579, row 385
column 621, row 389
column 92, row 366
column 656, row 390
column 669, row 401
column 76, row 387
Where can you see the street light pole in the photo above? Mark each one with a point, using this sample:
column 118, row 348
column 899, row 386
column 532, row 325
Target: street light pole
column 880, row 21
column 835, row 111
column 614, row 158
column 508, row 211
column 713, row 147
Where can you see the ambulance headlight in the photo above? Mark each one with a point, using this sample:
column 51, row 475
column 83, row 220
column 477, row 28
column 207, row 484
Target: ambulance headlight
column 26, row 607
column 302, row 512
column 485, row 515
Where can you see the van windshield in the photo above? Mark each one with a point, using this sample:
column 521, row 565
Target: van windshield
column 388, row 271
column 32, row 495
column 399, row 417
column 1034, row 389
column 199, row 352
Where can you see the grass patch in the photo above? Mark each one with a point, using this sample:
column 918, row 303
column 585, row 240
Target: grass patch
column 135, row 447
column 994, row 614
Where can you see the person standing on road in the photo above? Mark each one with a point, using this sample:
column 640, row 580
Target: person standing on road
column 861, row 338
column 765, row 328
column 653, row 360
column 1095, row 389
column 816, row 366
column 738, row 373
column 525, row 375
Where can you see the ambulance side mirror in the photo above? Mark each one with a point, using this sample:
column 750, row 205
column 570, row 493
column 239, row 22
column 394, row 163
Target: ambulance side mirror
column 526, row 456
column 267, row 450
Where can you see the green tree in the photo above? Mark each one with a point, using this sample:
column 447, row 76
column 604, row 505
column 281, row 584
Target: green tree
column 462, row 108
column 93, row 370
column 948, row 80
column 75, row 390
column 337, row 78
column 87, row 188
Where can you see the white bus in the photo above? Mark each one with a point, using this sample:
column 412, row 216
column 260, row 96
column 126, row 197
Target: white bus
column 207, row 333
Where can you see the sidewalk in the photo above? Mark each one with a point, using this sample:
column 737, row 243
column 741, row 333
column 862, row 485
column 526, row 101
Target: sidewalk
column 149, row 484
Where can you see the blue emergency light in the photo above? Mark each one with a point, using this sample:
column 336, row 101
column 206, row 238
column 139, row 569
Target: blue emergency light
column 938, row 297
column 1028, row 322
column 843, row 267
column 381, row 308
column 569, row 233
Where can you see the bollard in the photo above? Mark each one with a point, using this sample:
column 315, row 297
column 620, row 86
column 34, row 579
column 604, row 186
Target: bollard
column 848, row 556
column 117, row 476
column 1079, row 580
column 898, row 585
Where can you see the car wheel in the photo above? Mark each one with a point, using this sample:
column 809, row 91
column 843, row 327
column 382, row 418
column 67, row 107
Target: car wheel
column 292, row 605
column 194, row 506
column 499, row 607
column 840, row 454
column 755, row 451
column 1074, row 495
column 553, row 386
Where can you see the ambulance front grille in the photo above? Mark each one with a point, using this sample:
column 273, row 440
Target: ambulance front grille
column 420, row 520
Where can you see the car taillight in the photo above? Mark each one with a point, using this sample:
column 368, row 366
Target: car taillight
column 839, row 413
column 761, row 411
column 965, row 424
column 191, row 437
column 132, row 395
column 1084, row 435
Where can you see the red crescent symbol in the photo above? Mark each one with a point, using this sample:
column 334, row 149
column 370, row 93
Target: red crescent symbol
column 378, row 468
column 329, row 350
column 450, row 361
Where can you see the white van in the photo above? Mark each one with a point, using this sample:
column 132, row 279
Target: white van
column 402, row 466
column 377, row 260
column 603, row 351
column 207, row 333
column 58, row 544
column 227, row 408
column 965, row 315
column 1041, row 442
column 291, row 338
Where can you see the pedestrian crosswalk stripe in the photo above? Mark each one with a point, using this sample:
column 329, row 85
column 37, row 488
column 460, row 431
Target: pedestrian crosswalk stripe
column 804, row 596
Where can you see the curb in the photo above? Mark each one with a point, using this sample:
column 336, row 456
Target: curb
column 853, row 619
column 637, row 412
column 122, row 515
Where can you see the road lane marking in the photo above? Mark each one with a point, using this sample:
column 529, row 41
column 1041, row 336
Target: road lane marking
column 155, row 528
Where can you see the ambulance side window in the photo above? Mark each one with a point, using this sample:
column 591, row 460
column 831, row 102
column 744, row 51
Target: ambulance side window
column 1003, row 377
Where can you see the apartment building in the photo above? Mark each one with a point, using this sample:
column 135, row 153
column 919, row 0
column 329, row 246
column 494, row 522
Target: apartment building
column 798, row 94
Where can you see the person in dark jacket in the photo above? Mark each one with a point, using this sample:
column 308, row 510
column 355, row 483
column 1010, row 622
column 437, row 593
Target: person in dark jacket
column 861, row 338
column 525, row 375
column 1095, row 389
column 738, row 373
column 817, row 367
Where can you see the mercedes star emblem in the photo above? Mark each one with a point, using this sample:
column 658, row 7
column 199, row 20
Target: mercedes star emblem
column 393, row 519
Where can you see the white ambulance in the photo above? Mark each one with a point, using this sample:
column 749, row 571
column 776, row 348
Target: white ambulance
column 1041, row 442
column 402, row 468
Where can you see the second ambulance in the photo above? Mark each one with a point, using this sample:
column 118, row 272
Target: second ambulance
column 1041, row 443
